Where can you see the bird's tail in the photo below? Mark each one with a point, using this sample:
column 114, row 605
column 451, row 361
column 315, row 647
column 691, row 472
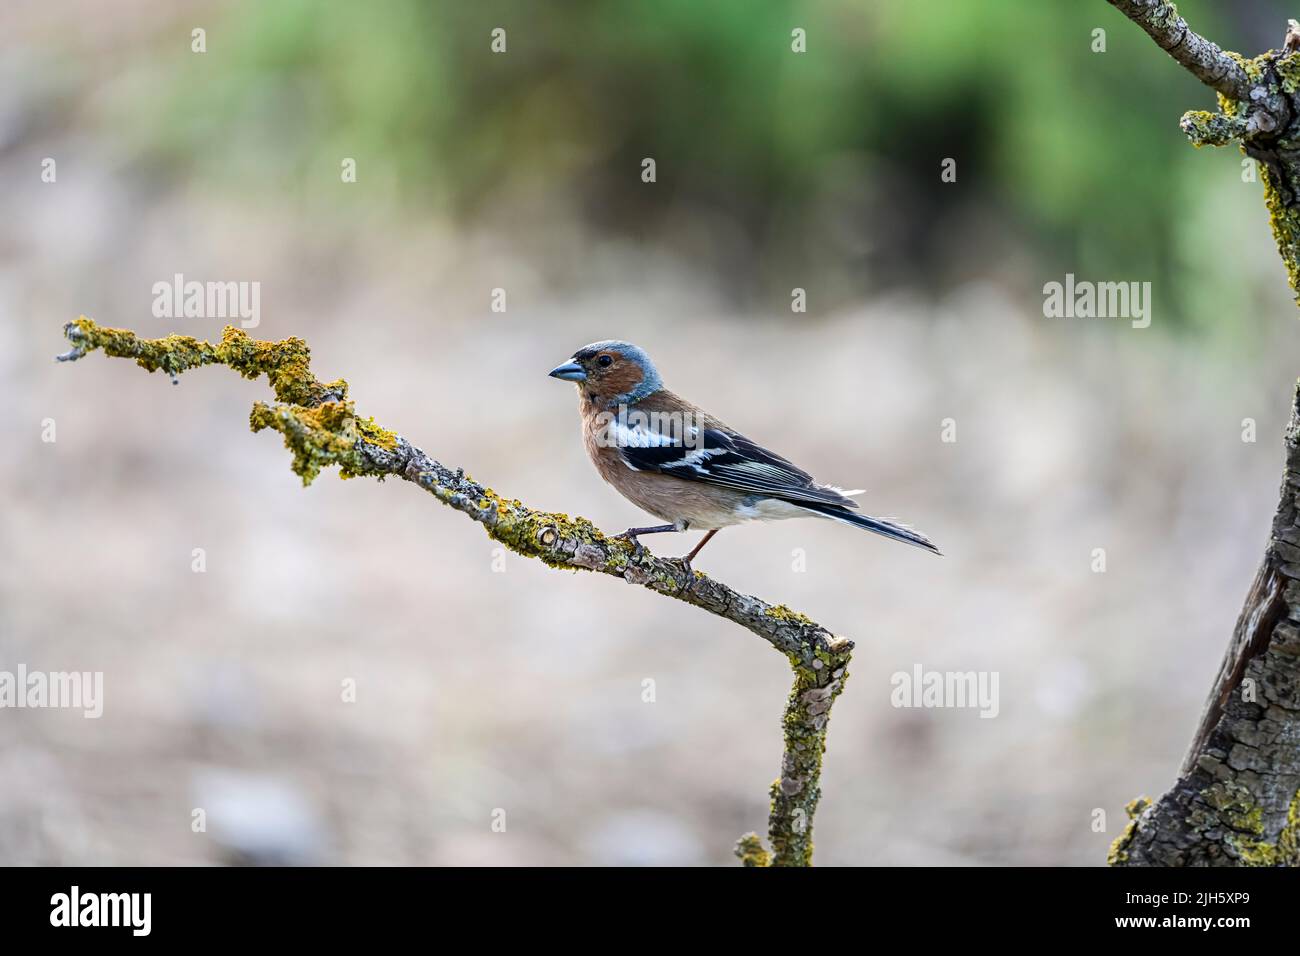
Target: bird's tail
column 889, row 529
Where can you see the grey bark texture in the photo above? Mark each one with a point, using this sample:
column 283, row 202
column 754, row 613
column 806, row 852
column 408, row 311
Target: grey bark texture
column 1202, row 58
column 1237, row 797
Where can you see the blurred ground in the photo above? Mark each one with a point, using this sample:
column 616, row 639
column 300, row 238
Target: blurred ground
column 521, row 690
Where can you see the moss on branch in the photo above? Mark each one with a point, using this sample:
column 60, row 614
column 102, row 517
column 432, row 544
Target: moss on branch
column 1262, row 119
column 1119, row 848
column 286, row 364
column 1204, row 128
column 750, row 851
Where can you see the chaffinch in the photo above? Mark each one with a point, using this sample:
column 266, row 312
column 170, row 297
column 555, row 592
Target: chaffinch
column 686, row 467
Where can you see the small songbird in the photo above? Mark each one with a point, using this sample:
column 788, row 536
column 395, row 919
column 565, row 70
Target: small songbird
column 686, row 467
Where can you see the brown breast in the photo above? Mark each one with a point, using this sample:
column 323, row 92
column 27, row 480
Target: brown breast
column 670, row 499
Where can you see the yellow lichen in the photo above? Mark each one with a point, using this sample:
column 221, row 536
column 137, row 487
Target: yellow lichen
column 782, row 613
column 751, row 852
column 1288, row 70
column 1254, row 851
column 1119, row 848
column 320, row 426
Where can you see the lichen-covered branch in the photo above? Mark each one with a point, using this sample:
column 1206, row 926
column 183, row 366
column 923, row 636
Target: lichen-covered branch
column 321, row 428
column 1237, row 799
column 1216, row 69
column 1259, row 106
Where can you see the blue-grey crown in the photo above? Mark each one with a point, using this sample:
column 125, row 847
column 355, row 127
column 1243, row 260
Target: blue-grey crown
column 650, row 381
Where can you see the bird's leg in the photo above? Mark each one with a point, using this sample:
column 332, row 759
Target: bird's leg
column 632, row 533
column 694, row 551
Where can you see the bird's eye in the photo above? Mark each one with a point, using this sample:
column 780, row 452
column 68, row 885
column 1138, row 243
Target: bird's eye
column 605, row 361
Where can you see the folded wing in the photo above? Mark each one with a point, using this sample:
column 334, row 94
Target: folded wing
column 729, row 460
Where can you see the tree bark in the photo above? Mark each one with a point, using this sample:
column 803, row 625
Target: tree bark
column 1237, row 797
column 1199, row 56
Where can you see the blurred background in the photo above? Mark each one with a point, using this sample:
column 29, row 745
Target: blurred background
column 488, row 683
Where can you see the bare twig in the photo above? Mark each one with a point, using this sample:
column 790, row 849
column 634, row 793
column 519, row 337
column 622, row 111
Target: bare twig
column 321, row 428
column 1259, row 103
column 1204, row 59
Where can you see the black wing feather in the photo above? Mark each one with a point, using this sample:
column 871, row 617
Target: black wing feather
column 733, row 461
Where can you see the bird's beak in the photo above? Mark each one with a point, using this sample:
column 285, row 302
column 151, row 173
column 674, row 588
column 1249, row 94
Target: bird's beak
column 569, row 372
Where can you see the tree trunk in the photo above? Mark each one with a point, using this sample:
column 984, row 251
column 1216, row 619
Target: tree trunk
column 1237, row 797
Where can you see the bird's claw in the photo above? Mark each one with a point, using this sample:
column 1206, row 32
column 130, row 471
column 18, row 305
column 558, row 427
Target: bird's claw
column 691, row 576
column 637, row 547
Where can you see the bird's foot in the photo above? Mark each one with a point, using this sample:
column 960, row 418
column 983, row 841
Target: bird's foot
column 630, row 535
column 691, row 577
column 633, row 534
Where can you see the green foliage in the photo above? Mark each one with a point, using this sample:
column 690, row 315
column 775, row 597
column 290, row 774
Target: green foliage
column 1054, row 141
